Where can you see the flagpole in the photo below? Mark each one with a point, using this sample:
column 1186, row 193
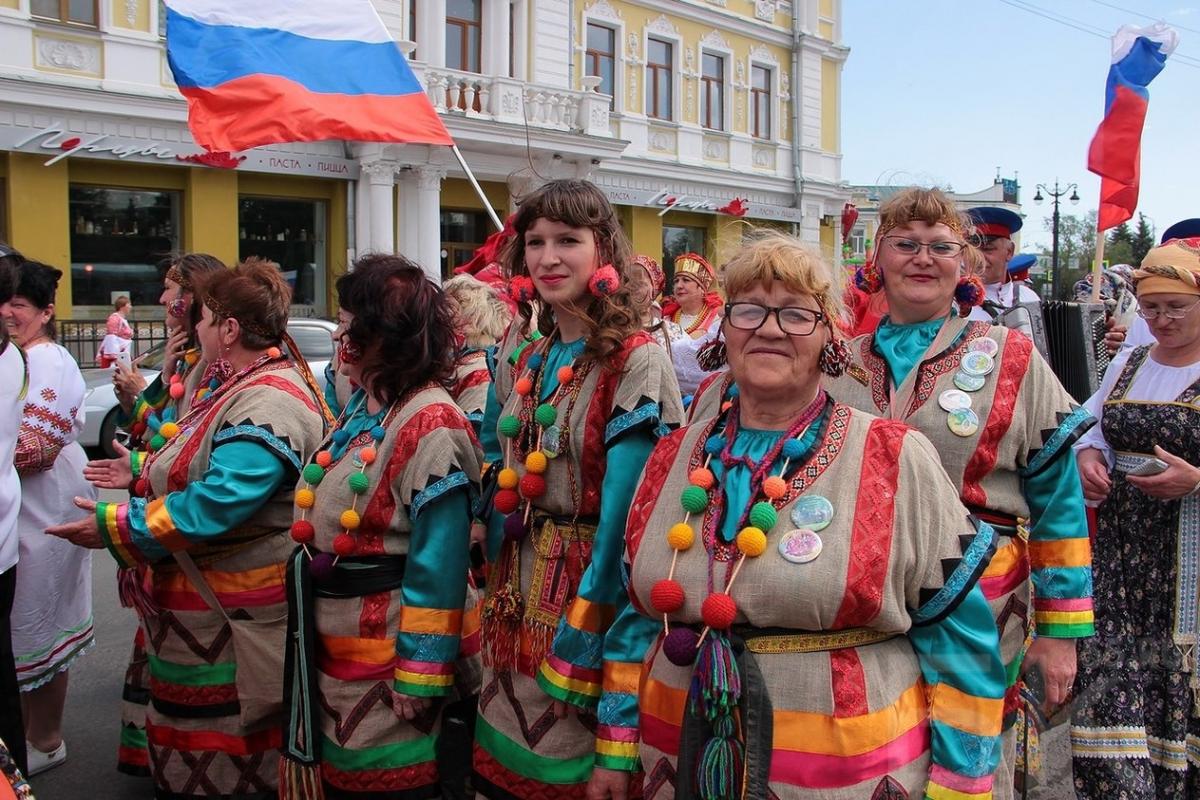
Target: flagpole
column 1097, row 266
column 487, row 204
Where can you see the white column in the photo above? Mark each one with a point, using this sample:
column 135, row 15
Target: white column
column 431, row 32
column 381, row 177
column 494, row 55
column 429, row 220
column 520, row 22
column 408, row 229
column 362, row 215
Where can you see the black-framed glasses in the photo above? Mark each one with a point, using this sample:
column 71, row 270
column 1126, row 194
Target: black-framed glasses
column 1169, row 313
column 910, row 247
column 792, row 320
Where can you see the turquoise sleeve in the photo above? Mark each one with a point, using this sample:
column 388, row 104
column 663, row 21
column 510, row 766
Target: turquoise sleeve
column 572, row 672
column 961, row 651
column 433, row 593
column 331, row 398
column 1059, row 551
column 241, row 477
column 493, row 453
column 625, row 646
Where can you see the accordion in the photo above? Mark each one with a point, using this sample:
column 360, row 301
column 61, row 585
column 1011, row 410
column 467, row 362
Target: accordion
column 1070, row 336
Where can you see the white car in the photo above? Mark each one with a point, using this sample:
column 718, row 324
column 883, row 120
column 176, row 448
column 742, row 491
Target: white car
column 312, row 336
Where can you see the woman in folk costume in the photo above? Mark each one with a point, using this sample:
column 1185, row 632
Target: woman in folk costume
column 211, row 521
column 52, row 609
column 378, row 582
column 480, row 320
column 1136, row 720
column 1002, row 424
column 575, row 418
column 647, row 285
column 118, row 334
column 806, row 621
column 144, row 409
column 692, row 316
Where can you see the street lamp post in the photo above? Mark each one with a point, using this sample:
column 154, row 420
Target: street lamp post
column 1056, row 194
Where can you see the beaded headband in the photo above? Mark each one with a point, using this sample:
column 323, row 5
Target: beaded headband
column 176, row 274
column 221, row 312
column 695, row 267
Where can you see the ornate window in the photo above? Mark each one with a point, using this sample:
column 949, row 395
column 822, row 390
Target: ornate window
column 712, row 92
column 72, row 12
column 464, row 27
column 760, row 102
column 600, row 56
column 659, row 64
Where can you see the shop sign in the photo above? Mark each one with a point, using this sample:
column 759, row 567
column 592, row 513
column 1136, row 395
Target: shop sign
column 65, row 144
column 734, row 206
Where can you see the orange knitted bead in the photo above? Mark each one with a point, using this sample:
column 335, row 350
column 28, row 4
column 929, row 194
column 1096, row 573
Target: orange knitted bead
column 523, row 386
column 774, row 487
column 702, row 477
column 324, row 458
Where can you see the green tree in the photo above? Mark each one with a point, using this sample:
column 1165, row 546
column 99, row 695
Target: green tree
column 1118, row 247
column 1143, row 239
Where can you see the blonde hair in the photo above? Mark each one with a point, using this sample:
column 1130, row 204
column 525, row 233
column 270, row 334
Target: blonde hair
column 485, row 315
column 120, row 302
column 773, row 256
column 932, row 207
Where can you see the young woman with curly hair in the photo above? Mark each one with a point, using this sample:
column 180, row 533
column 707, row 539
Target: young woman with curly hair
column 379, row 578
column 570, row 420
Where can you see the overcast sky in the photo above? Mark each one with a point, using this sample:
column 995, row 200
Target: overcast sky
column 945, row 91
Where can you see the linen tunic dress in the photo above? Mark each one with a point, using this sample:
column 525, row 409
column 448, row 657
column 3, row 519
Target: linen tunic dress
column 916, row 712
column 569, row 574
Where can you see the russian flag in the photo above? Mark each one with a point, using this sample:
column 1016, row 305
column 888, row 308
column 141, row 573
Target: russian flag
column 264, row 71
column 1138, row 55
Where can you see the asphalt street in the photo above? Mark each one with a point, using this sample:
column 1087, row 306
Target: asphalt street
column 92, row 723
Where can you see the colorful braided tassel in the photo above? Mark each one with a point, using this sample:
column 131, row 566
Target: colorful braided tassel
column 719, row 771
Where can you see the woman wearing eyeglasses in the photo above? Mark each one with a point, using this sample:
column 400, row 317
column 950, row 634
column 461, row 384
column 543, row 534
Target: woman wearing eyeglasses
column 803, row 583
column 1135, row 727
column 1003, row 426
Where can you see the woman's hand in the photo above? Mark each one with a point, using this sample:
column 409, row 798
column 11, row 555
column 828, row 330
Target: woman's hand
column 408, row 707
column 478, row 534
column 1115, row 336
column 128, row 383
column 608, row 784
column 176, row 346
column 1093, row 472
column 83, row 532
column 110, row 473
column 1056, row 660
column 1176, row 481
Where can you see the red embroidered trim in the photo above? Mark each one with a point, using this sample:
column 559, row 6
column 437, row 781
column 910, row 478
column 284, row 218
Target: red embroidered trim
column 43, row 414
column 213, row 695
column 400, row 779
column 930, row 372
column 662, row 458
column 36, row 450
column 478, row 377
column 372, row 620
column 874, row 514
column 594, row 458
column 877, row 368
column 849, row 683
column 49, row 395
column 1014, row 362
column 505, row 779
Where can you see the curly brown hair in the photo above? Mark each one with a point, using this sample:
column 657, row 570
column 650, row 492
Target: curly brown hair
column 255, row 294
column 397, row 307
column 580, row 204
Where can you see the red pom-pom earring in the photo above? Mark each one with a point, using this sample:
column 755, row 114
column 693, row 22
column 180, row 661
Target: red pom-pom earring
column 521, row 289
column 868, row 278
column 604, row 281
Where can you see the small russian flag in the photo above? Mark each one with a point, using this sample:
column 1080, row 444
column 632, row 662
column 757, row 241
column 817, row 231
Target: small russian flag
column 272, row 71
column 1138, row 55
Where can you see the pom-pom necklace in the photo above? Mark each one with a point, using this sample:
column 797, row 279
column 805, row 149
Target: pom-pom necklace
column 338, row 446
column 705, row 499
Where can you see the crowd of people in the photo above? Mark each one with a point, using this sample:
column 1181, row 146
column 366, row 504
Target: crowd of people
column 767, row 536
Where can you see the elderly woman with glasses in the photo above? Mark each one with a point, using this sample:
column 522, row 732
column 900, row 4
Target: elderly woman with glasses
column 1002, row 424
column 1135, row 722
column 803, row 583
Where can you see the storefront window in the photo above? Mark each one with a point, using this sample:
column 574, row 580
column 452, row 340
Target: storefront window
column 679, row 239
column 292, row 234
column 118, row 236
column 462, row 234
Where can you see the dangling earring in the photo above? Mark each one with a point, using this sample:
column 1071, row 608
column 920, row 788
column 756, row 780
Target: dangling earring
column 835, row 357
column 968, row 293
column 712, row 357
column 178, row 308
column 219, row 371
column 349, row 353
column 604, row 281
column 868, row 278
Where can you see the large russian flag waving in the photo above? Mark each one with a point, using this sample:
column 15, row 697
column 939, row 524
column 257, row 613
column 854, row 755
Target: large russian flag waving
column 1138, row 55
column 263, row 71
